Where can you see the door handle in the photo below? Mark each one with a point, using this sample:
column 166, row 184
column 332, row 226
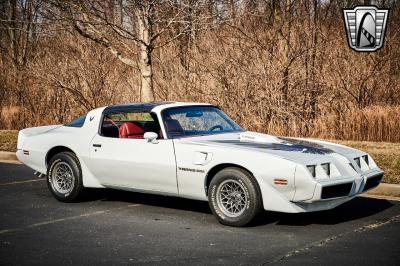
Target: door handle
column 97, row 145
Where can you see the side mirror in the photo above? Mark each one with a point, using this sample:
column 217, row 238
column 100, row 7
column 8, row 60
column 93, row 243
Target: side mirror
column 151, row 137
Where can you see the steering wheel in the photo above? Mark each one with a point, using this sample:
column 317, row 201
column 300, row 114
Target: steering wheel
column 215, row 127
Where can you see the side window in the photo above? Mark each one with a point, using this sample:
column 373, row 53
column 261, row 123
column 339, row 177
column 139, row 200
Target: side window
column 130, row 125
column 77, row 122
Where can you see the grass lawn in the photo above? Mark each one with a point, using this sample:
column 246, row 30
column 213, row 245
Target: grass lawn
column 386, row 155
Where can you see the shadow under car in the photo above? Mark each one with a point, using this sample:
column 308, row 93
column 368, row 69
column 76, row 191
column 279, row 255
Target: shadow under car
column 354, row 209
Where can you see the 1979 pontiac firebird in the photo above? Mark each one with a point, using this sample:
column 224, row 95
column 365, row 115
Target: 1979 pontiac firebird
column 194, row 150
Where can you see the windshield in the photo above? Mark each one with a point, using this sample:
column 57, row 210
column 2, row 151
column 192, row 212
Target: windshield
column 197, row 121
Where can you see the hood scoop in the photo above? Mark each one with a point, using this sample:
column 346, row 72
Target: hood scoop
column 255, row 137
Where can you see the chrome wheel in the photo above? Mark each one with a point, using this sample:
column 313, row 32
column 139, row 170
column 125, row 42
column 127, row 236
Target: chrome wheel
column 62, row 178
column 231, row 198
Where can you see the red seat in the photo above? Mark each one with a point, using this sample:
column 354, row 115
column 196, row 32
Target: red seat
column 131, row 131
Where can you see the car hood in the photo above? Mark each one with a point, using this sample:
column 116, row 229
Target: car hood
column 307, row 151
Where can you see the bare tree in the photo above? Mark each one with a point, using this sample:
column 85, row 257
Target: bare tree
column 18, row 43
column 132, row 29
column 278, row 66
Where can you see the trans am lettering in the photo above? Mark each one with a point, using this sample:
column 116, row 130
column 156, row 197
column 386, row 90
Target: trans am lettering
column 190, row 170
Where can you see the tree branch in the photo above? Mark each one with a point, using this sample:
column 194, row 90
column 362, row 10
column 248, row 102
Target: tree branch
column 106, row 43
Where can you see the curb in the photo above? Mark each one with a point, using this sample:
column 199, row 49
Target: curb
column 8, row 156
column 384, row 189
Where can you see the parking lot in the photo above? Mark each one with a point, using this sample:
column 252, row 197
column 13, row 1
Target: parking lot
column 115, row 227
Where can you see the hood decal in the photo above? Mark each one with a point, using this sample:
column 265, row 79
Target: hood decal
column 287, row 144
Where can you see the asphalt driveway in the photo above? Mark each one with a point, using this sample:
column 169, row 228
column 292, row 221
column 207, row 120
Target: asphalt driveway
column 114, row 227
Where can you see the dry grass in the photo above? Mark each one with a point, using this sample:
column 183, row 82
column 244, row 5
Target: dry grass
column 386, row 155
column 9, row 116
column 374, row 123
column 8, row 140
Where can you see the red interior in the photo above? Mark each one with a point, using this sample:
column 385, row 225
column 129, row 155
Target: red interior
column 131, row 130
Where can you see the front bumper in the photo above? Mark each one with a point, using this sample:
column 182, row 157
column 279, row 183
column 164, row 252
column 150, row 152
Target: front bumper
column 347, row 188
column 331, row 193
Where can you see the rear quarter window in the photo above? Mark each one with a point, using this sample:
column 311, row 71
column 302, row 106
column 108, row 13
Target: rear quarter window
column 77, row 122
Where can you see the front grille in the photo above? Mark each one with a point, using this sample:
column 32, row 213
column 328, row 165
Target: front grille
column 335, row 191
column 373, row 182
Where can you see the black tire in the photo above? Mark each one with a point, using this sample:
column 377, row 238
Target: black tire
column 250, row 196
column 69, row 161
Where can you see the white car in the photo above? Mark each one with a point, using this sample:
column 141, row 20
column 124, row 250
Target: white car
column 194, row 150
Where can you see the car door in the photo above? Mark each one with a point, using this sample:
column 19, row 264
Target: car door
column 134, row 163
column 121, row 157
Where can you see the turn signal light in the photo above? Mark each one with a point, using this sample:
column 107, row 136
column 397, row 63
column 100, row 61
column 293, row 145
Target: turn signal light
column 279, row 181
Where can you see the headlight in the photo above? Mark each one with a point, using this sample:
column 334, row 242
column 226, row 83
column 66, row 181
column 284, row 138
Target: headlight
column 363, row 162
column 357, row 160
column 365, row 157
column 327, row 168
column 323, row 171
column 311, row 169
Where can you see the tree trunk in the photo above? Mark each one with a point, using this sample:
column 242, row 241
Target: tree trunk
column 285, row 87
column 314, row 88
column 146, row 75
column 145, row 54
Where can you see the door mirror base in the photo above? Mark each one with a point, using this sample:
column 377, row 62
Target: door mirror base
column 151, row 137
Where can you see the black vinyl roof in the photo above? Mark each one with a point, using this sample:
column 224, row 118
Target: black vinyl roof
column 132, row 107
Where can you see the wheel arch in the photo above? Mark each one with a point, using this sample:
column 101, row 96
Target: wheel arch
column 215, row 169
column 55, row 150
